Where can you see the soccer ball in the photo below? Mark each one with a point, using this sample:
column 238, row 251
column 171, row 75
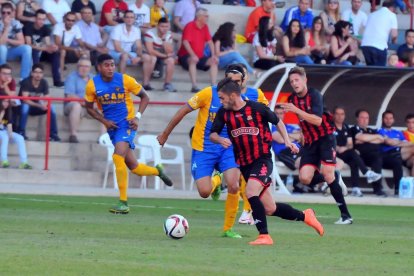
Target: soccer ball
column 176, row 226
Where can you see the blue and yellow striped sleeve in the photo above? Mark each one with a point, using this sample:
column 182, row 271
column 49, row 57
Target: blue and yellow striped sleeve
column 261, row 97
column 90, row 91
column 202, row 98
column 131, row 85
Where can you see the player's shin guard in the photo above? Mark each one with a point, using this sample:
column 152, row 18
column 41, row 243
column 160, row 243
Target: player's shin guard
column 259, row 214
column 246, row 204
column 336, row 192
column 285, row 211
column 121, row 172
column 230, row 211
column 142, row 169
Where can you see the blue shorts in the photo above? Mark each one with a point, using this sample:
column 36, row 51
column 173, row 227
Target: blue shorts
column 123, row 134
column 204, row 163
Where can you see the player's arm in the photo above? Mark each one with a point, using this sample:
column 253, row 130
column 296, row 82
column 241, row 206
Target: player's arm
column 217, row 127
column 98, row 116
column 176, row 119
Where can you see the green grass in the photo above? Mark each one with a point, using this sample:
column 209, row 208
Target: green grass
column 54, row 235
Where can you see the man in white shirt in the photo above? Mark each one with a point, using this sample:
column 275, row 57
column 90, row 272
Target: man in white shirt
column 125, row 42
column 356, row 17
column 380, row 24
column 142, row 15
column 184, row 12
column 56, row 9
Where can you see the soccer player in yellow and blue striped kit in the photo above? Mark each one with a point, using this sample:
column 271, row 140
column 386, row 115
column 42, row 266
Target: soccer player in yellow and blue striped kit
column 112, row 93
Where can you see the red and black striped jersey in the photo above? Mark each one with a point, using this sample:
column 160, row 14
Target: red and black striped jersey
column 312, row 103
column 248, row 130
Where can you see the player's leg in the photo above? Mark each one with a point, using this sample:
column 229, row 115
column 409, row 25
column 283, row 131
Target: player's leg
column 246, row 216
column 202, row 167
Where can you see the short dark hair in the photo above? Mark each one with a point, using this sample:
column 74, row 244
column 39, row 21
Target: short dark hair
column 278, row 106
column 338, row 107
column 104, row 57
column 86, row 8
column 359, row 112
column 235, row 69
column 228, row 86
column 388, row 111
column 388, row 3
column 5, row 66
column 37, row 66
column 297, row 70
column 409, row 31
column 128, row 11
column 409, row 116
column 40, row 11
column 69, row 13
column 163, row 20
column 7, row 5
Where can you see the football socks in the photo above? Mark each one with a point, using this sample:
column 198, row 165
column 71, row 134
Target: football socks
column 121, row 172
column 285, row 211
column 246, row 204
column 259, row 214
column 230, row 210
column 336, row 192
column 143, row 169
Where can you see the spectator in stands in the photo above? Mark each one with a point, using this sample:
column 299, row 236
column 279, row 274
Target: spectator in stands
column 8, row 88
column 112, row 14
column 266, row 9
column 409, row 136
column 380, row 24
column 93, row 36
column 301, row 12
column 75, row 88
column 394, row 62
column 330, row 15
column 78, row 5
column 125, row 43
column 12, row 41
column 68, row 38
column 410, row 62
column 184, row 12
column 344, row 48
column 294, row 44
column 191, row 54
column 367, row 142
column 402, row 6
column 264, row 43
column 37, row 86
column 408, row 47
column 142, row 15
column 158, row 43
column 25, row 11
column 316, row 39
column 56, row 10
column 157, row 11
column 345, row 151
column 7, row 133
column 356, row 17
column 395, row 149
column 225, row 47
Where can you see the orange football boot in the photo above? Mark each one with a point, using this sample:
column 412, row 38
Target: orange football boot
column 262, row 239
column 312, row 221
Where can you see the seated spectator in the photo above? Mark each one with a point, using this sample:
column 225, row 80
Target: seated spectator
column 247, row 3
column 294, row 44
column 37, row 86
column 191, row 54
column 344, row 47
column 158, row 42
column 25, row 11
column 396, row 150
column 68, row 38
column 75, row 88
column 112, row 14
column 402, row 6
column 7, row 134
column 318, row 44
column 409, row 136
column 225, row 47
column 410, row 62
column 301, row 12
column 184, row 12
column 8, row 88
column 405, row 49
column 266, row 9
column 12, row 41
column 157, row 11
column 93, row 36
column 264, row 56
column 142, row 15
column 345, row 151
column 125, row 43
column 356, row 17
column 394, row 62
column 367, row 142
column 56, row 10
column 330, row 15
column 78, row 5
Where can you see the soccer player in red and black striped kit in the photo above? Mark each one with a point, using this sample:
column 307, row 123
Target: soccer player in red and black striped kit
column 320, row 143
column 248, row 128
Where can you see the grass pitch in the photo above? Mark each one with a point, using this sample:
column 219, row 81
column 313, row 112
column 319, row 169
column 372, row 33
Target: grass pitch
column 55, row 235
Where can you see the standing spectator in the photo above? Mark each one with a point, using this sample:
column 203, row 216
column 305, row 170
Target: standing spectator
column 25, row 11
column 344, row 48
column 345, row 150
column 142, row 15
column 56, row 10
column 405, row 49
column 316, row 39
column 157, row 11
column 7, row 134
column 330, row 16
column 380, row 25
column 158, row 42
column 125, row 43
column 266, row 9
column 225, row 47
column 356, row 17
column 37, row 86
column 12, row 41
column 78, row 5
column 112, row 14
column 367, row 142
column 264, row 43
column 301, row 12
column 184, row 12
column 75, row 88
column 191, row 54
column 294, row 44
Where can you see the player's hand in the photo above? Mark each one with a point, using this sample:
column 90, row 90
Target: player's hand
column 133, row 124
column 109, row 125
column 162, row 138
column 293, row 148
column 289, row 107
column 225, row 142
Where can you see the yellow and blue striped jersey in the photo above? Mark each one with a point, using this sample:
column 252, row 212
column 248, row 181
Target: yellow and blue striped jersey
column 256, row 95
column 113, row 98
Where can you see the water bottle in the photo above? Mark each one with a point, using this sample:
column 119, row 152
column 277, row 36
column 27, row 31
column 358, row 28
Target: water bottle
column 406, row 187
column 289, row 182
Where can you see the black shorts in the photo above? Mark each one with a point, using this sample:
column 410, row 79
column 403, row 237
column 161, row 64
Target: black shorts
column 201, row 64
column 321, row 151
column 261, row 169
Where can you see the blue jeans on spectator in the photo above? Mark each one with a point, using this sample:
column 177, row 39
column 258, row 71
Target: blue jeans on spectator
column 24, row 52
column 231, row 58
column 374, row 56
column 303, row 59
column 345, row 63
column 35, row 111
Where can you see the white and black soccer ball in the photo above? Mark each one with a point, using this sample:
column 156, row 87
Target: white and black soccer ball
column 176, row 226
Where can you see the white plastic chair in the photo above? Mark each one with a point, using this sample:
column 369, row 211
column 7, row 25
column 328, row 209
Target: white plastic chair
column 152, row 152
column 106, row 142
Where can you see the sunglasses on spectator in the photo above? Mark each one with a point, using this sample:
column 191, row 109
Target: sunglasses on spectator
column 70, row 20
column 6, row 12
